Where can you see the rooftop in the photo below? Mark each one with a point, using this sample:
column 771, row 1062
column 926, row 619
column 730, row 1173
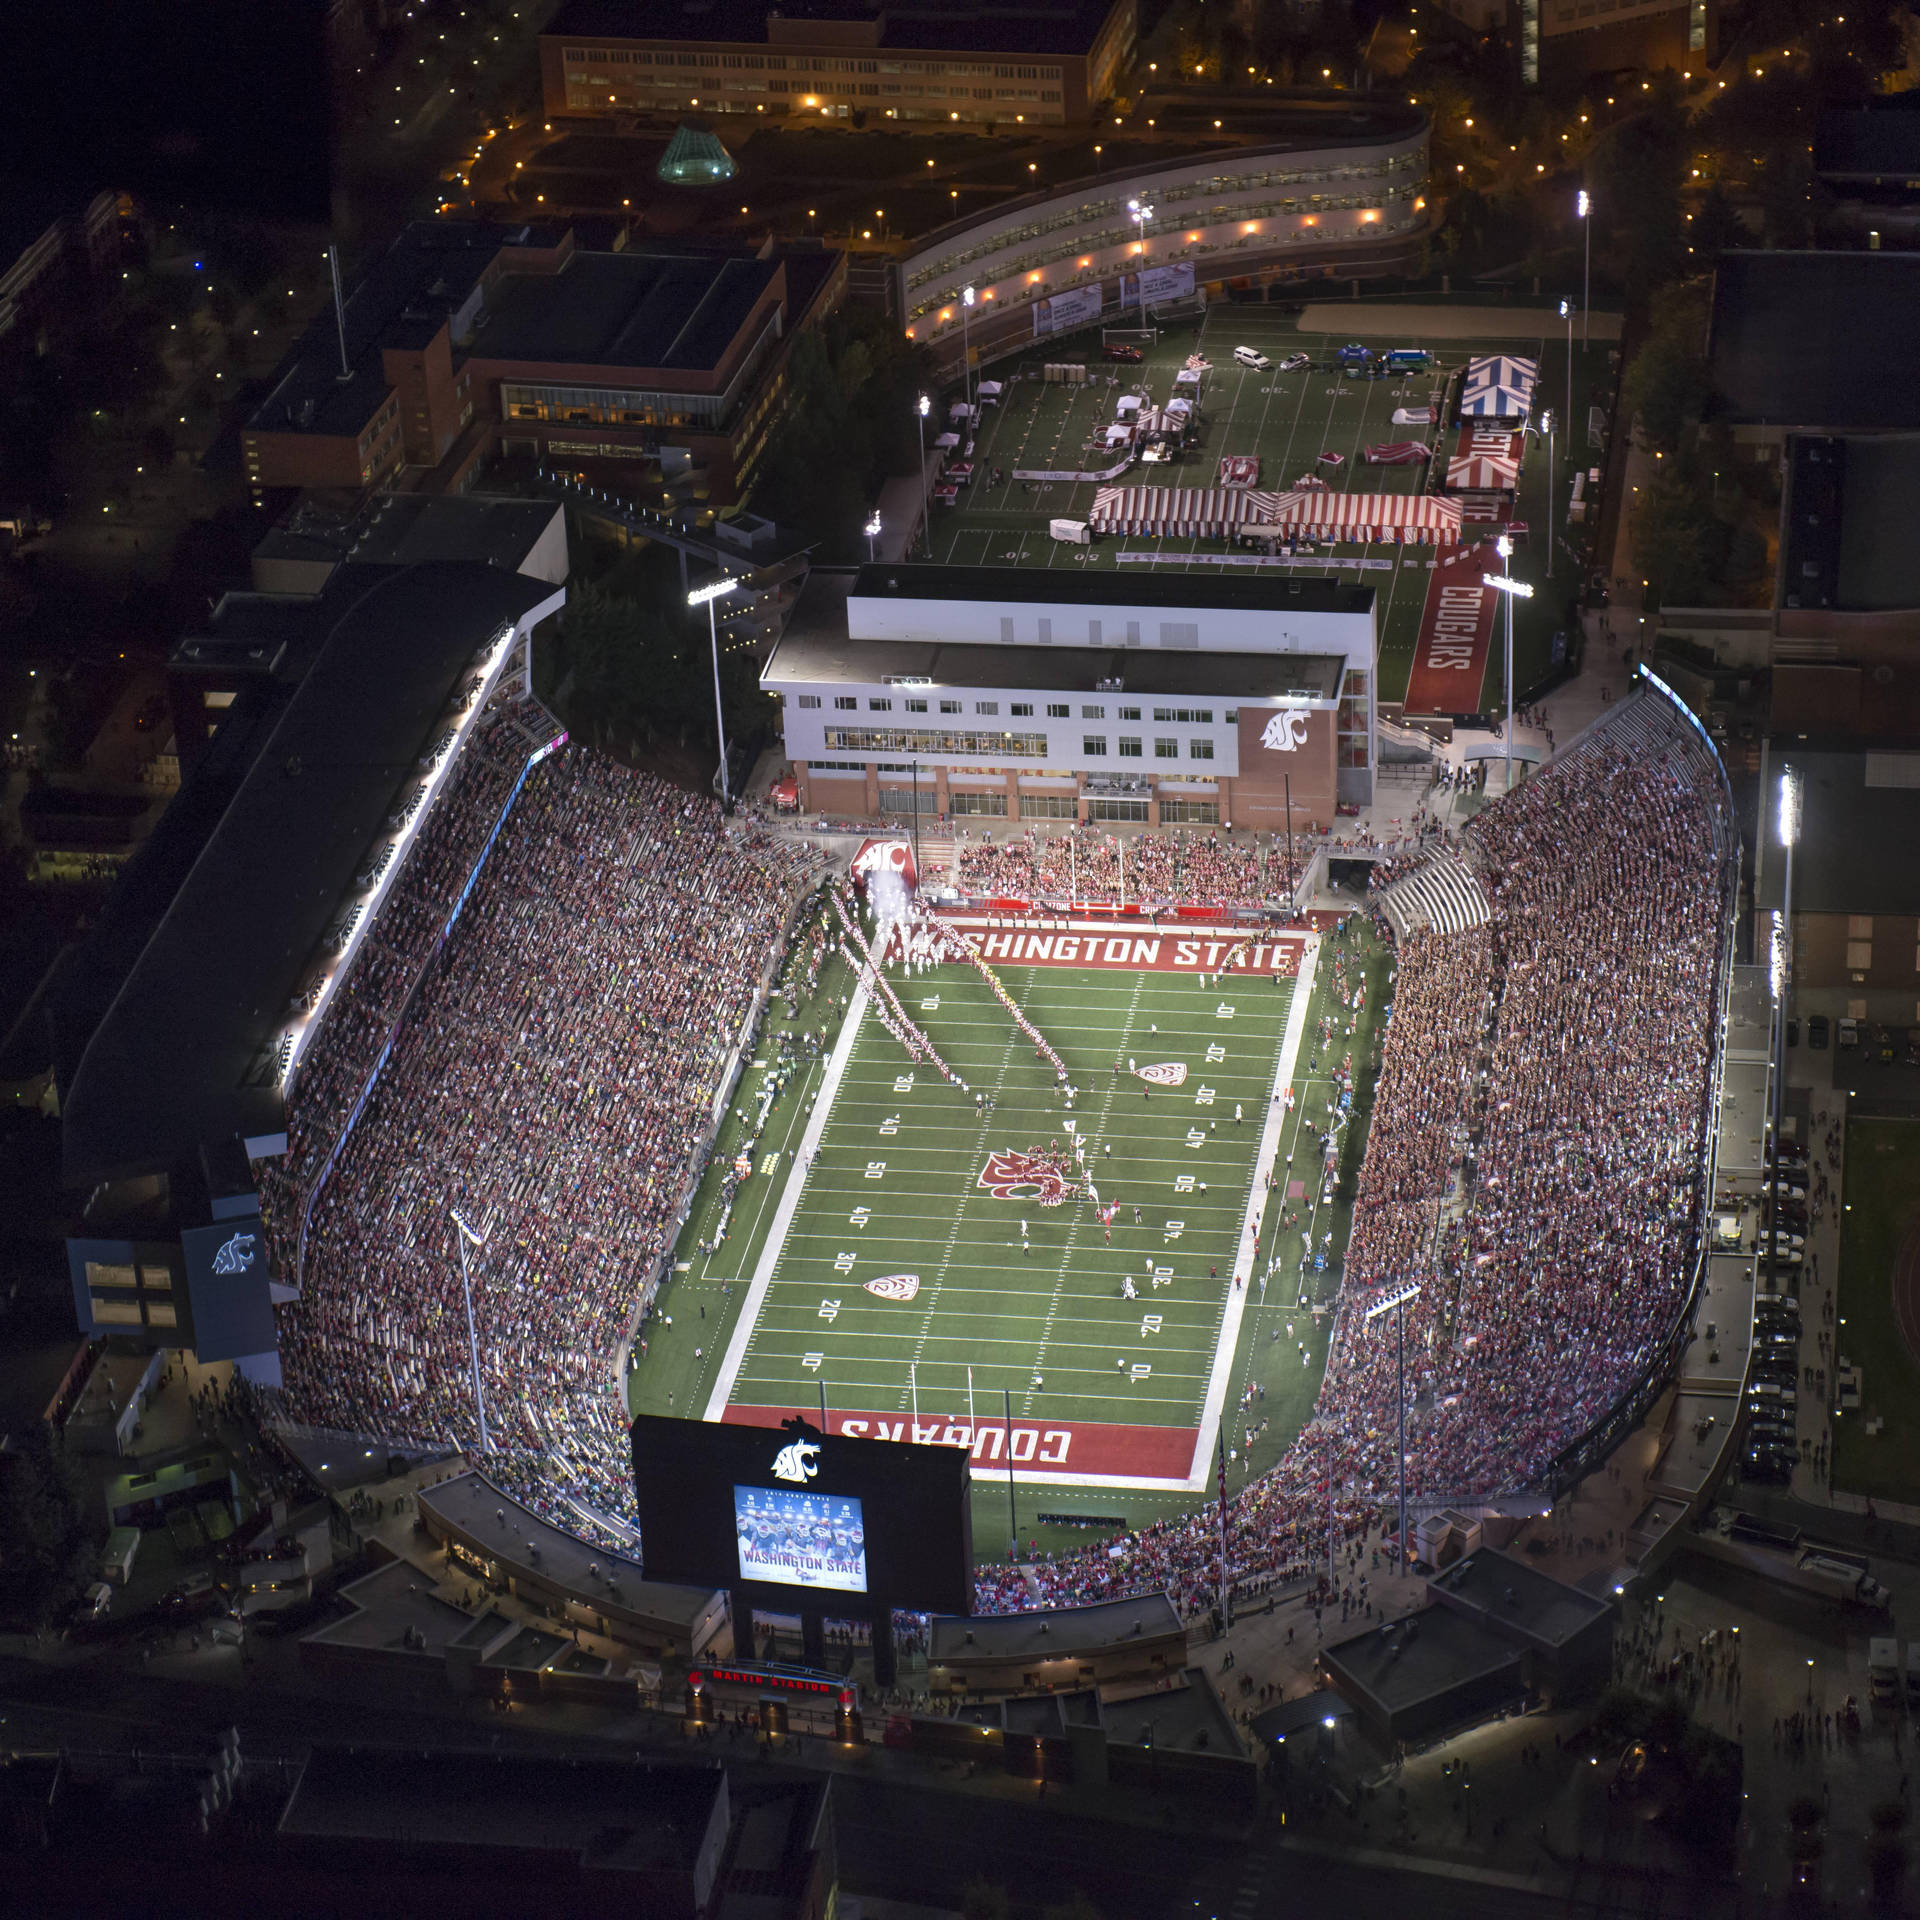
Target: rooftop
column 1024, row 26
column 1516, row 1598
column 398, row 529
column 395, row 1609
column 1052, row 1634
column 1816, row 340
column 1188, row 1718
column 1061, row 587
column 603, row 1815
column 278, row 834
column 1854, row 808
column 1401, row 1663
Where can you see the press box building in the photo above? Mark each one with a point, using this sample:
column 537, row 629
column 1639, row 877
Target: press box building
column 1020, row 694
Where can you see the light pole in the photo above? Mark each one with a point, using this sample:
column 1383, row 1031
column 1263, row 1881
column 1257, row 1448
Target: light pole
column 466, row 1236
column 1505, row 583
column 706, row 596
column 1566, row 314
column 923, row 406
column 1782, row 956
column 1584, row 206
column 1399, row 1301
column 872, row 531
column 1142, row 213
column 966, row 352
column 1546, row 424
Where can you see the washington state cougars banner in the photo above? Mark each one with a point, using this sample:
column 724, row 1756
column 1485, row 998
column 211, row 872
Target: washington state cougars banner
column 1040, row 1449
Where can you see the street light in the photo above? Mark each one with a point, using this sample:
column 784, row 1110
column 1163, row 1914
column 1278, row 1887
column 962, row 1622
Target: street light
column 1505, row 583
column 923, row 406
column 1584, row 207
column 872, row 531
column 1788, row 824
column 463, row 1240
column 705, row 597
column 1397, row 1304
column 966, row 352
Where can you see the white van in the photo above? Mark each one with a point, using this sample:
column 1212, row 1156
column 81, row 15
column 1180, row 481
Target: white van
column 1252, row 357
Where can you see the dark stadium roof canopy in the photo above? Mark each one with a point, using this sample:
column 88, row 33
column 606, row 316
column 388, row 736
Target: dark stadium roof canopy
column 1062, row 1630
column 1859, row 819
column 288, row 811
column 1822, row 341
column 1026, row 26
column 1058, row 586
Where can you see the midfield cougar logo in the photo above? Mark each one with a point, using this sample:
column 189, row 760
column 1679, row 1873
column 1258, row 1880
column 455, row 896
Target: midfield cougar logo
column 1285, row 732
column 894, row 1286
column 797, row 1462
column 236, row 1256
column 1010, row 1175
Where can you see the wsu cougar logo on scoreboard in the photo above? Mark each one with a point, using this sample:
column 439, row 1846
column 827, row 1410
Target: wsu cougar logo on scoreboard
column 797, row 1462
column 1285, row 732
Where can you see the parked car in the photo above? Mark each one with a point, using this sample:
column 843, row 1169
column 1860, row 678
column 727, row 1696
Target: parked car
column 1849, row 1033
column 1294, row 362
column 1119, row 350
column 1252, row 357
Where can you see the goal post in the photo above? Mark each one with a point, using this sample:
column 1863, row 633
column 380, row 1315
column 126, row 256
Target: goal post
column 1129, row 336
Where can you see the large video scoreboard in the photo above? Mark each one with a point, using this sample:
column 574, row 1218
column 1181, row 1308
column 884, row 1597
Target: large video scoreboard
column 794, row 1518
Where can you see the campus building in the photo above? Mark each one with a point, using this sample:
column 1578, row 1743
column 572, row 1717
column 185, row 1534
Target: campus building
column 1047, row 63
column 1568, row 39
column 464, row 340
column 1346, row 194
column 1023, row 695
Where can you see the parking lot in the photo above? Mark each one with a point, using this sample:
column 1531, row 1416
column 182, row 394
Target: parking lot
column 1285, row 420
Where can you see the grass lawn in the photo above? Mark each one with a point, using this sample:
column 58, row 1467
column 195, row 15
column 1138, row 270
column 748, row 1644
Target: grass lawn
column 1287, row 420
column 895, row 1188
column 1883, row 1201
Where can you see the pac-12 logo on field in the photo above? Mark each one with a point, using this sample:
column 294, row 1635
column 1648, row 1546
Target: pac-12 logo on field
column 1168, row 1073
column 798, row 1461
column 1285, row 732
column 894, row 1286
column 1012, row 1175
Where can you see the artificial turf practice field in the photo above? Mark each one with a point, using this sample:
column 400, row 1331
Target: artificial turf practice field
column 1129, row 1397
column 1286, row 419
column 1879, row 1302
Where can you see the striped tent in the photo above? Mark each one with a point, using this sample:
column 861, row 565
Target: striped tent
column 1503, row 370
column 1485, row 460
column 1417, row 517
column 1397, row 453
column 1201, row 513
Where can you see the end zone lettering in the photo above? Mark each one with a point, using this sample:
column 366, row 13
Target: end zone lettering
column 1043, row 1446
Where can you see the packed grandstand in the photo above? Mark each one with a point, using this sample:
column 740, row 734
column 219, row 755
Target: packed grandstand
column 1535, row 1157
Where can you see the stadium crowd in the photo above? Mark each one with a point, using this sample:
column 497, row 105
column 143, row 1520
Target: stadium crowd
column 1165, row 868
column 553, row 1081
column 1592, row 1000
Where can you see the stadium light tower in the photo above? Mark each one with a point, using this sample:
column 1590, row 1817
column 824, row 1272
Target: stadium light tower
column 1142, row 212
column 706, row 596
column 966, row 352
column 1789, row 828
column 872, row 531
column 1506, row 584
column 467, row 1237
column 924, row 406
column 1546, row 427
column 1566, row 314
column 1584, row 207
column 1396, row 1304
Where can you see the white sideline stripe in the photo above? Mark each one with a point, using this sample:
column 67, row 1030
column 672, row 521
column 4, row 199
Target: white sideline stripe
column 775, row 1242
column 1237, row 1297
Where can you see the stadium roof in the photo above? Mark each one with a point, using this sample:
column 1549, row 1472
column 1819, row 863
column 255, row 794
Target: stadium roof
column 1424, row 1656
column 1516, row 1599
column 1856, row 811
column 163, row 1071
column 1815, row 340
column 1025, row 26
column 1049, row 1635
column 1061, row 586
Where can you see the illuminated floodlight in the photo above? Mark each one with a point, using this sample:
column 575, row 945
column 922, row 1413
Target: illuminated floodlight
column 1503, row 547
column 873, row 527
column 701, row 595
column 1789, row 807
column 1566, row 309
column 1583, row 205
column 925, row 405
column 1502, row 583
column 1778, row 954
column 966, row 296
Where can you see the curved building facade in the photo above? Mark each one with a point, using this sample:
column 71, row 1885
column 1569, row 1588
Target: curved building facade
column 1348, row 194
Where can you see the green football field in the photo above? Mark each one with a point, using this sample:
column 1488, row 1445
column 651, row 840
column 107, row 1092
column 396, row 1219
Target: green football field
column 1287, row 420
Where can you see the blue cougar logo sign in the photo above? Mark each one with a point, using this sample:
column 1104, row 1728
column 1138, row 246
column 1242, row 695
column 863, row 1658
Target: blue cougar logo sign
column 797, row 1462
column 236, row 1256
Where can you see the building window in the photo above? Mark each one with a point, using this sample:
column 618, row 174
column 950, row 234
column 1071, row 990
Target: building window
column 986, row 706
column 950, row 706
column 879, row 706
column 1189, row 813
column 1166, row 749
column 916, row 706
column 845, row 703
column 1059, row 712
column 1117, row 810
column 1185, row 716
column 1199, row 749
column 1094, row 746
column 1129, row 713
column 1022, row 709
column 987, row 803
column 810, row 700
column 1093, row 713
column 1129, row 749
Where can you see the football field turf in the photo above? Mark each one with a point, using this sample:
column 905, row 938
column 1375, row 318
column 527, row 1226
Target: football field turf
column 895, row 1276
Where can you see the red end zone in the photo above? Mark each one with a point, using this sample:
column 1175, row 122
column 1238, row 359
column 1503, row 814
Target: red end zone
column 1040, row 1446
column 1042, row 942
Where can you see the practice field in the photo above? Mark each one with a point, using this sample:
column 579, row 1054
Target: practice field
column 1879, row 1303
column 896, row 1278
column 1286, row 421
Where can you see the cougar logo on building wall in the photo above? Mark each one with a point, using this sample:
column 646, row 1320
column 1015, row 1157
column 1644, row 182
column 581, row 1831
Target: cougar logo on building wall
column 1285, row 732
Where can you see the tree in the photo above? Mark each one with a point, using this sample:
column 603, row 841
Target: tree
column 1639, row 170
column 1716, row 226
column 45, row 1547
column 1666, row 381
column 1676, row 541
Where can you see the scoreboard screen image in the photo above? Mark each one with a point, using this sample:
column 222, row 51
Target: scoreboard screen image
column 789, row 1517
column 800, row 1541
